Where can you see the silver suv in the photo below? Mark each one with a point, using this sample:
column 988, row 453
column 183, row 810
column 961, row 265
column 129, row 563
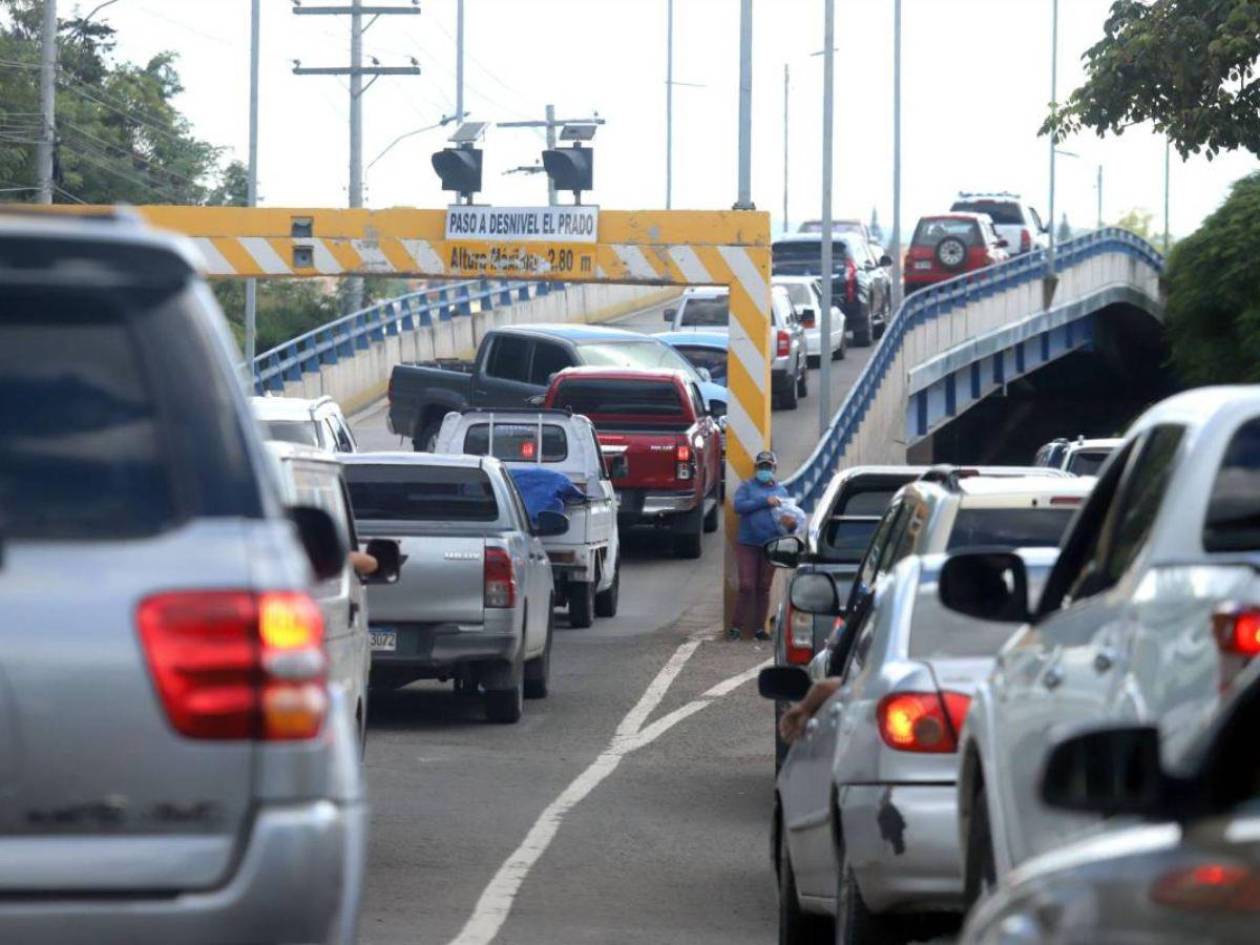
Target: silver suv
column 174, row 766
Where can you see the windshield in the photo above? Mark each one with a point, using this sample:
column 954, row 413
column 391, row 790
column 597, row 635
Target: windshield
column 304, row 432
column 646, row 354
column 1087, row 462
column 1009, row 528
column 714, row 313
column 712, row 359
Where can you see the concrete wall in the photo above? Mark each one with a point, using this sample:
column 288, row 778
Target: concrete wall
column 356, row 381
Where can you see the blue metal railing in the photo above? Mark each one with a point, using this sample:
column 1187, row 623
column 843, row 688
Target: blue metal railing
column 358, row 331
column 926, row 305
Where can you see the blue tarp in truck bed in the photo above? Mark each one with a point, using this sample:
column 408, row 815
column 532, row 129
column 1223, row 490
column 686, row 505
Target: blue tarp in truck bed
column 544, row 490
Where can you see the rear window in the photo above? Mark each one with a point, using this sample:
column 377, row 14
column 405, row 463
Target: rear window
column 797, row 251
column 800, row 294
column 936, row 632
column 1003, row 212
column 518, row 442
column 1087, row 462
column 931, row 231
column 81, row 455
column 406, row 493
column 618, row 399
column 292, row 431
column 844, row 541
column 866, row 502
column 1233, row 516
column 711, row 312
column 1010, row 528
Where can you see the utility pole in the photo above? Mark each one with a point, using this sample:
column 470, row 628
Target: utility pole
column 1054, row 137
column 356, row 71
column 251, row 199
column 787, row 88
column 824, row 317
column 1167, row 188
column 459, row 63
column 745, row 106
column 1100, row 196
column 550, row 125
column 669, row 107
column 896, row 223
column 47, row 102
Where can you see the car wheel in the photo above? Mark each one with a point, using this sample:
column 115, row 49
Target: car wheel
column 802, row 382
column 862, row 333
column 796, row 927
column 538, row 670
column 855, row 923
column 690, row 543
column 427, row 438
column 979, row 866
column 581, row 604
column 505, row 706
column 790, row 396
column 711, row 517
column 606, row 601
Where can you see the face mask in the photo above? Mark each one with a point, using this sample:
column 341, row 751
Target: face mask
column 765, row 475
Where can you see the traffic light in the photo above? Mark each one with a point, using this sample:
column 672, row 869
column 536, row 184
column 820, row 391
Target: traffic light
column 460, row 170
column 571, row 169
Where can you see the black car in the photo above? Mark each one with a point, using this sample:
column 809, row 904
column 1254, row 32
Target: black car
column 860, row 283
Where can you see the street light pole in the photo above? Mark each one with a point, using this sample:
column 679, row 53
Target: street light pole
column 1054, row 138
column 1100, row 196
column 459, row 63
column 251, row 285
column 824, row 316
column 1167, row 188
column 787, row 88
column 669, row 107
column 896, row 223
column 745, row 105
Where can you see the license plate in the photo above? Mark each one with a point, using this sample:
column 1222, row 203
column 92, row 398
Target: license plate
column 923, row 264
column 383, row 640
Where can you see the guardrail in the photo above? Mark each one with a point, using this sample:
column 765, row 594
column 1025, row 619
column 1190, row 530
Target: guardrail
column 343, row 337
column 928, row 305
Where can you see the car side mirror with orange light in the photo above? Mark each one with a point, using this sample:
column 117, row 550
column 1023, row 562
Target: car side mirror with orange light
column 389, row 560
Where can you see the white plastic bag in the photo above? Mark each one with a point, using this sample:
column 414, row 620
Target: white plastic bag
column 790, row 518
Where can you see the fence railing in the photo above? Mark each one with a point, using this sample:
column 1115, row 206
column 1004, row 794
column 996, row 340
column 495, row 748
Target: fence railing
column 345, row 336
column 928, row 305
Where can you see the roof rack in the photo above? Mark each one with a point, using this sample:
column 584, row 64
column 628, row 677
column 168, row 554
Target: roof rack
column 968, row 195
column 948, row 476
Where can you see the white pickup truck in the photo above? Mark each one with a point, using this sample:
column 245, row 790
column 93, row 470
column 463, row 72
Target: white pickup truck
column 585, row 560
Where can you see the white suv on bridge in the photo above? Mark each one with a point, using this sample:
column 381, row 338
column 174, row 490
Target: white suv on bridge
column 1015, row 221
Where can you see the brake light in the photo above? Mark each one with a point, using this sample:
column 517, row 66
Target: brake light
column 499, row 587
column 783, row 344
column 1025, row 240
column 1065, row 500
column 1237, row 632
column 800, row 636
column 686, row 467
column 850, row 281
column 1214, row 886
column 926, row 722
column 236, row 665
column 528, row 449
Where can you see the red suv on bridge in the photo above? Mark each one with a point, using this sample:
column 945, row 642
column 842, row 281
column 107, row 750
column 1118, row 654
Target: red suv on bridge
column 663, row 450
column 950, row 244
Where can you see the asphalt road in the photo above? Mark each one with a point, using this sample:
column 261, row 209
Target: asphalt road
column 630, row 806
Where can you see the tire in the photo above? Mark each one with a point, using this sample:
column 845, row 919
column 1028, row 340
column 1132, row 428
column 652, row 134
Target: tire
column 855, row 923
column 802, row 383
column 979, row 865
column 690, row 544
column 427, row 438
column 862, row 334
column 606, row 601
column 581, row 604
column 796, row 927
column 815, row 360
column 790, row 397
column 538, row 670
column 504, row 706
column 951, row 253
column 711, row 517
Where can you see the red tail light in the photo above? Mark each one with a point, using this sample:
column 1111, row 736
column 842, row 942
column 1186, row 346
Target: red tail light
column 783, row 344
column 850, row 281
column 1210, row 886
column 926, row 722
column 528, row 449
column 685, row 468
column 233, row 664
column 1025, row 240
column 799, row 639
column 1237, row 632
column 500, row 579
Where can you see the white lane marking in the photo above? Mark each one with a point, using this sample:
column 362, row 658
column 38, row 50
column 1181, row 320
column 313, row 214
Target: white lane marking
column 496, row 899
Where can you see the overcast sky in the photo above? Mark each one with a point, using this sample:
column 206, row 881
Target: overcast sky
column 976, row 86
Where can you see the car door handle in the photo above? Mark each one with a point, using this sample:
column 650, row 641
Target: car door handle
column 1104, row 660
column 1053, row 678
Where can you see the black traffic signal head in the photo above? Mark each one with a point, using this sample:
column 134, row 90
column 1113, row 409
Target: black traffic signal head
column 570, row 168
column 460, row 169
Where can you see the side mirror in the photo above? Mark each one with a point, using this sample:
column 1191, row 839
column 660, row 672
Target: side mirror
column 1108, row 771
column 784, row 552
column 705, row 375
column 550, row 524
column 388, row 561
column 807, row 316
column 814, row 594
column 670, row 313
column 988, row 585
column 717, row 409
column 885, row 260
column 1003, row 243
column 321, row 540
column 783, row 683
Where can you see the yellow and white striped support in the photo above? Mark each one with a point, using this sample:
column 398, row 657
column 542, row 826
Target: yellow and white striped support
column 683, row 248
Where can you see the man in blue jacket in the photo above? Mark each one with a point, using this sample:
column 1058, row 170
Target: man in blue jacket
column 755, row 501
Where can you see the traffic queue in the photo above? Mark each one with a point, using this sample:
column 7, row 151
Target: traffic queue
column 1023, row 703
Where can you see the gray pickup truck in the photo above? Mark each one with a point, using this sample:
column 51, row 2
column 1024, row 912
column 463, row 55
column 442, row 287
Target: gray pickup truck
column 515, row 364
column 477, row 605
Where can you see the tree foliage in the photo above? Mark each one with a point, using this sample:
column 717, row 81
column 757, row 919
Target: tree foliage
column 1213, row 286
column 1138, row 221
column 1187, row 66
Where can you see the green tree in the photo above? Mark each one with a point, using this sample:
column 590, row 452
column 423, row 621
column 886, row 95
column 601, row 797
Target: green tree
column 1138, row 221
column 1187, row 66
column 1213, row 293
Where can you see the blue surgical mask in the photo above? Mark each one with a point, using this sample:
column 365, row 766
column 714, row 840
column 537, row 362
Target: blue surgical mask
column 765, row 475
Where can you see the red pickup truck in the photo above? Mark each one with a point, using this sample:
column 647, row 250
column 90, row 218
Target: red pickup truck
column 664, row 452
